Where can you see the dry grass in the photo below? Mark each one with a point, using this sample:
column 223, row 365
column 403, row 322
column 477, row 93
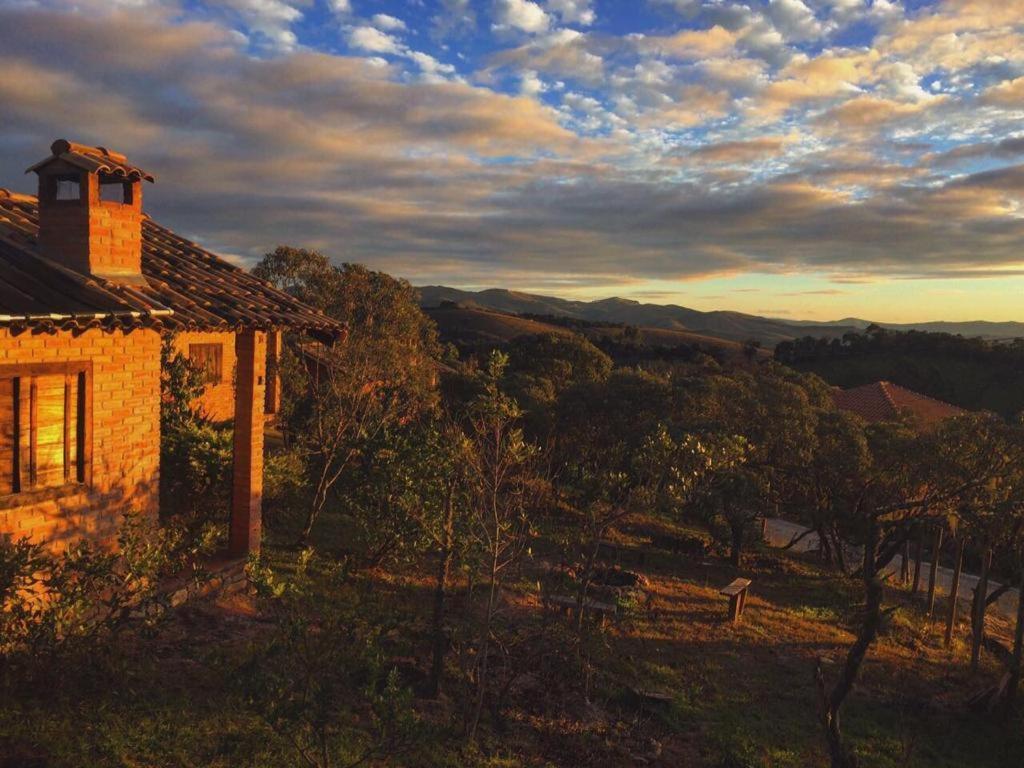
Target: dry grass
column 739, row 695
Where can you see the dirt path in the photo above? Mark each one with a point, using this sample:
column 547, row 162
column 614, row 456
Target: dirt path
column 778, row 533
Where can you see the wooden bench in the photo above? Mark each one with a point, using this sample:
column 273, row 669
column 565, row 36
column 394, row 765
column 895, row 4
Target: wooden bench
column 737, row 594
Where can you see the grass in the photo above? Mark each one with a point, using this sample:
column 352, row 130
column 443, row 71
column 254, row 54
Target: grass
column 741, row 696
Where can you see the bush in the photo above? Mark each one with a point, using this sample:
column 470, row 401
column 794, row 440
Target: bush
column 195, row 456
column 55, row 606
column 319, row 681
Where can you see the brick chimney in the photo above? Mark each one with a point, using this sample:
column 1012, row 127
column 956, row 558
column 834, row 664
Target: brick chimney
column 90, row 211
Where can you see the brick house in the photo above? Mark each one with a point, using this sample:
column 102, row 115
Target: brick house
column 89, row 289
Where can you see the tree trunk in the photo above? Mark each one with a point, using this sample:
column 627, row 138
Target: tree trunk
column 905, row 563
column 483, row 664
column 736, row 551
column 588, row 575
column 1018, row 652
column 936, row 549
column 444, row 567
column 954, row 590
column 978, row 610
column 918, row 547
column 832, row 703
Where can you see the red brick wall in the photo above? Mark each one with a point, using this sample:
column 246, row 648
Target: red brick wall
column 247, row 486
column 218, row 400
column 125, row 435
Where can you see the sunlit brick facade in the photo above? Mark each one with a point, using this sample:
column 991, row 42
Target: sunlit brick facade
column 89, row 290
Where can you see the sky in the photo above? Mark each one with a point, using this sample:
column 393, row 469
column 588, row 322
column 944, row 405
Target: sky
column 805, row 159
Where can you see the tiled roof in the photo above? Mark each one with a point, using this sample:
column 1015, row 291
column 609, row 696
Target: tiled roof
column 92, row 160
column 885, row 401
column 186, row 287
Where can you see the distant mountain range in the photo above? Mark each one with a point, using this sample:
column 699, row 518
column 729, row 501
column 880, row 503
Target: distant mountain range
column 735, row 326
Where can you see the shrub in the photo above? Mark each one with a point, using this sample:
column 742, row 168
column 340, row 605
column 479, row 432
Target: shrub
column 319, row 681
column 54, row 606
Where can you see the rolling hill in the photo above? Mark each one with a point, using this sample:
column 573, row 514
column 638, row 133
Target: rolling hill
column 734, row 326
column 471, row 326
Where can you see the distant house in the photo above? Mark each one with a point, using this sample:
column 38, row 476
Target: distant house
column 885, row 401
column 89, row 288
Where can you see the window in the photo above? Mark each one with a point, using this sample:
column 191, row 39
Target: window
column 42, row 428
column 210, row 359
column 114, row 190
column 67, row 188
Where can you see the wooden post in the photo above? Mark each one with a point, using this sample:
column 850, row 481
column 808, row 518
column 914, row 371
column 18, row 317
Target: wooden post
column 736, row 607
column 918, row 546
column 936, row 548
column 978, row 614
column 247, row 483
column 954, row 589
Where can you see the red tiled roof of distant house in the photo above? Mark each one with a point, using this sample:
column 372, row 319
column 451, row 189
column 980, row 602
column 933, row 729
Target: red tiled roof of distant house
column 885, row 401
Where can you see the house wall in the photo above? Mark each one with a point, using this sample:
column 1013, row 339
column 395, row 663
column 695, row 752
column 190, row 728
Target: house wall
column 124, row 434
column 218, row 400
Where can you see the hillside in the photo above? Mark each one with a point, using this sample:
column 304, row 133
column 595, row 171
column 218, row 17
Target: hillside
column 469, row 327
column 472, row 326
column 735, row 326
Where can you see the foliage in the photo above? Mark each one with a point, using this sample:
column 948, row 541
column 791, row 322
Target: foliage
column 974, row 373
column 501, row 484
column 340, row 399
column 55, row 606
column 195, row 455
column 320, row 681
column 541, row 367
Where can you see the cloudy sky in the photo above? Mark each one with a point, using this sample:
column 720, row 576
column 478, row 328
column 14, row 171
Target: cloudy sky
column 796, row 158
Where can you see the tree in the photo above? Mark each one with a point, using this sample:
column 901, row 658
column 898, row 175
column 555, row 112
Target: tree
column 909, row 479
column 411, row 498
column 979, row 462
column 341, row 397
column 824, row 488
column 500, row 465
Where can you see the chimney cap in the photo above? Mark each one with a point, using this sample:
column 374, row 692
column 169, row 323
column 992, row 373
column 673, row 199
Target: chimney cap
column 92, row 160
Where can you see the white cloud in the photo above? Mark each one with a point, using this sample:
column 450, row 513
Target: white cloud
column 521, row 14
column 530, row 83
column 371, row 39
column 431, row 68
column 271, row 19
column 340, row 7
column 390, row 23
column 794, row 20
column 573, row 11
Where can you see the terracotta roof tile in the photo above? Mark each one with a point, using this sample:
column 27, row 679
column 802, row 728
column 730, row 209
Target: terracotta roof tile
column 186, row 286
column 91, row 160
column 885, row 401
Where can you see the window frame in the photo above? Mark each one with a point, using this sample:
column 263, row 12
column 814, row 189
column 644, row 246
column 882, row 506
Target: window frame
column 78, row 478
column 110, row 182
column 51, row 182
column 210, row 379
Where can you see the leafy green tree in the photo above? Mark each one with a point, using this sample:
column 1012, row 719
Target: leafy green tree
column 341, row 398
column 542, row 367
column 979, row 463
column 502, row 484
